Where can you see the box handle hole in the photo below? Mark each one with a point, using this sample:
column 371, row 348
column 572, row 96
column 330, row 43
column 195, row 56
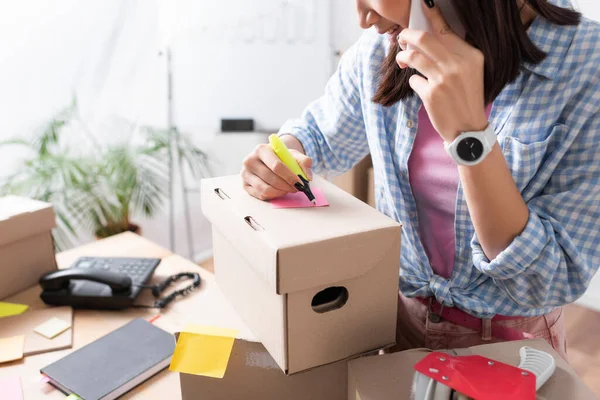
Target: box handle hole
column 221, row 194
column 330, row 299
column 253, row 224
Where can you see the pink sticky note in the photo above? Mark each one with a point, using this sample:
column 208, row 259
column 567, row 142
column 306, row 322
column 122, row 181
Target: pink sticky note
column 299, row 200
column 11, row 388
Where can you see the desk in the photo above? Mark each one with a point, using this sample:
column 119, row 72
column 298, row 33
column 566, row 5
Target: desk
column 205, row 306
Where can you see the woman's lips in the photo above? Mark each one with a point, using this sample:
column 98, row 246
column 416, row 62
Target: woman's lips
column 394, row 32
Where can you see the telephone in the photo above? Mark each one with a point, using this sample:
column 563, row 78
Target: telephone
column 98, row 282
column 107, row 283
column 419, row 21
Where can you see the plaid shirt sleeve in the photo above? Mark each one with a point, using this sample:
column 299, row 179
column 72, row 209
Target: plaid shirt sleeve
column 553, row 260
column 332, row 128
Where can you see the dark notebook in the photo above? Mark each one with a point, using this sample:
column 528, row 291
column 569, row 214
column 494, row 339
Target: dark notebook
column 115, row 363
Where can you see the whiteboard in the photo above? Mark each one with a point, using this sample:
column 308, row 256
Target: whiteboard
column 261, row 59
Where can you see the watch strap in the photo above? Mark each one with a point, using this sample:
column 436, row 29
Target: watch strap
column 490, row 136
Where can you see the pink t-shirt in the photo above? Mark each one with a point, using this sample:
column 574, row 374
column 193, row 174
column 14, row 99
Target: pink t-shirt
column 434, row 181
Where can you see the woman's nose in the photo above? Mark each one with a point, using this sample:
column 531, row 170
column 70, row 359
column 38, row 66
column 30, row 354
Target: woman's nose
column 368, row 18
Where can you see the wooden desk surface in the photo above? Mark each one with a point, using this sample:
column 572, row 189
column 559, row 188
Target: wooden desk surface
column 206, row 305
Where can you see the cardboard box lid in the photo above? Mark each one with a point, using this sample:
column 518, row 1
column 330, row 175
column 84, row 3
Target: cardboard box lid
column 21, row 217
column 296, row 249
column 390, row 376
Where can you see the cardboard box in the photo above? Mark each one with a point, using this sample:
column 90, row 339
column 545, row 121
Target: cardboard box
column 253, row 374
column 371, row 186
column 315, row 285
column 26, row 247
column 355, row 181
column 390, row 376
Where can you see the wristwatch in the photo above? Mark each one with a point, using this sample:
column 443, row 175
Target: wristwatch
column 471, row 148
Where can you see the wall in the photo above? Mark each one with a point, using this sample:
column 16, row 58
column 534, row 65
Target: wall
column 107, row 54
column 345, row 29
column 590, row 8
column 265, row 59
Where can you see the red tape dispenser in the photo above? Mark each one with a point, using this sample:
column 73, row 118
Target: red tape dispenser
column 443, row 376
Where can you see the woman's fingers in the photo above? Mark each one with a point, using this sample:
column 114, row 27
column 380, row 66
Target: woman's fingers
column 270, row 159
column 260, row 189
column 305, row 162
column 420, row 86
column 426, row 42
column 271, row 178
column 415, row 59
column 266, row 177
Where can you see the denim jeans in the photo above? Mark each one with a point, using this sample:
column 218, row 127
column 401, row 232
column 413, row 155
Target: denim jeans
column 415, row 330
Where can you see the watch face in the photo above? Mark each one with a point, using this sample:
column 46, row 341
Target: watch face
column 470, row 149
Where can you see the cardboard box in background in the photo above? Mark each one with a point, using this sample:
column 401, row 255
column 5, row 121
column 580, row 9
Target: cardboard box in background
column 356, row 180
column 26, row 247
column 390, row 376
column 315, row 285
column 253, row 374
column 371, row 187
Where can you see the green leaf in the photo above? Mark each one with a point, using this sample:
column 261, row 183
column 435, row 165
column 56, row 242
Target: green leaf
column 15, row 142
column 99, row 192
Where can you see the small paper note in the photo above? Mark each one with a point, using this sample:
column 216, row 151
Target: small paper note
column 10, row 309
column 299, row 200
column 11, row 388
column 11, row 348
column 203, row 350
column 73, row 396
column 52, row 328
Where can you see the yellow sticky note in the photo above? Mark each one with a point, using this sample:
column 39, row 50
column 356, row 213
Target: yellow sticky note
column 203, row 350
column 73, row 396
column 10, row 309
column 52, row 328
column 210, row 330
column 11, row 348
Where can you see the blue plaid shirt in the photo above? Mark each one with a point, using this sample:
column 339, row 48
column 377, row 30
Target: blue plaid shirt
column 548, row 126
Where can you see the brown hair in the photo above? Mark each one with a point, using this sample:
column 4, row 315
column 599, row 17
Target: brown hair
column 495, row 28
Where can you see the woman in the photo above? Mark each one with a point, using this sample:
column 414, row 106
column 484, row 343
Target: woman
column 501, row 232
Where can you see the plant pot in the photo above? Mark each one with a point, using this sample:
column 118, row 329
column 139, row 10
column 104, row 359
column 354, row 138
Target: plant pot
column 112, row 230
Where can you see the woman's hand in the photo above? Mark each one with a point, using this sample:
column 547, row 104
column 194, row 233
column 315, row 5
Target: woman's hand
column 266, row 177
column 453, row 93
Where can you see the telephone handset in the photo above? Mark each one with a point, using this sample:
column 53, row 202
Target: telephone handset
column 61, row 280
column 419, row 21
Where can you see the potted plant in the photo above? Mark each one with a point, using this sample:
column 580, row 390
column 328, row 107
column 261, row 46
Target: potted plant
column 137, row 179
column 51, row 174
column 124, row 181
column 100, row 191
